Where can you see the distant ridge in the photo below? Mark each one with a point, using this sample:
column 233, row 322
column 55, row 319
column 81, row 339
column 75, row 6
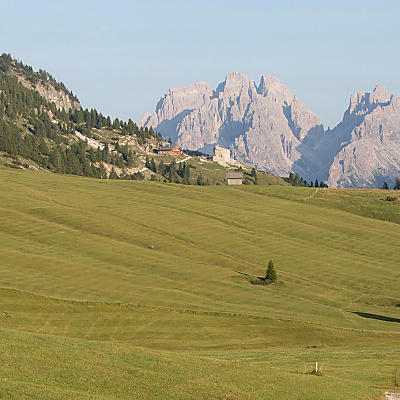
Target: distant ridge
column 266, row 126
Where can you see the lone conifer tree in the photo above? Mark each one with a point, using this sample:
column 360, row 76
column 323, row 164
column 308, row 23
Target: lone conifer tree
column 152, row 165
column 270, row 275
column 385, row 186
column 397, row 184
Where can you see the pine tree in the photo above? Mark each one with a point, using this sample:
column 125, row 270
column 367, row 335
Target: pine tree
column 253, row 172
column 113, row 174
column 186, row 174
column 102, row 171
column 116, row 124
column 200, row 181
column 385, row 186
column 153, row 165
column 270, row 274
column 180, row 170
column 43, row 147
column 172, row 173
column 161, row 168
column 316, row 184
column 396, row 184
column 129, row 160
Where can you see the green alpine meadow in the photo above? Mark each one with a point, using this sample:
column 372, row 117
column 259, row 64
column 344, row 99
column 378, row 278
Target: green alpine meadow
column 114, row 289
column 206, row 206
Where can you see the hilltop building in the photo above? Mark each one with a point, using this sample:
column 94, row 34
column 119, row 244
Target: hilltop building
column 221, row 155
column 169, row 151
column 235, row 177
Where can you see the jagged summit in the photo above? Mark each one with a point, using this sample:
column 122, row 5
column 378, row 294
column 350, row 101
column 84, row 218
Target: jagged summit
column 269, row 128
column 240, row 115
column 363, row 103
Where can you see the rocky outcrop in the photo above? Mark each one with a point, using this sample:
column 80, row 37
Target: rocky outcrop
column 267, row 127
column 62, row 99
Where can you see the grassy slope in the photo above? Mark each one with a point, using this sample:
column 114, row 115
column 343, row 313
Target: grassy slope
column 212, row 172
column 191, row 314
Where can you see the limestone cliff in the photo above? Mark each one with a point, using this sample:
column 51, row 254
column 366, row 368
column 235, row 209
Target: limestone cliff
column 264, row 125
column 40, row 81
column 369, row 150
column 61, row 98
column 267, row 127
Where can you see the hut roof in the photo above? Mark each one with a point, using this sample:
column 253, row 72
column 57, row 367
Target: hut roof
column 235, row 175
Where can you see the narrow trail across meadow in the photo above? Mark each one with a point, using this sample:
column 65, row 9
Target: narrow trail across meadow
column 312, row 195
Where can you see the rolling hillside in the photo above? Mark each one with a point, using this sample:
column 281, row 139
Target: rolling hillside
column 128, row 289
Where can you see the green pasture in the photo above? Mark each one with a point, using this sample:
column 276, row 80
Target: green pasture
column 129, row 289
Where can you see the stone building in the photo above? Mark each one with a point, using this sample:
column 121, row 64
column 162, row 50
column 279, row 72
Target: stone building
column 221, row 155
column 235, row 177
column 169, row 151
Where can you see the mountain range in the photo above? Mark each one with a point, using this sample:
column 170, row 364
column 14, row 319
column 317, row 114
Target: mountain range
column 267, row 127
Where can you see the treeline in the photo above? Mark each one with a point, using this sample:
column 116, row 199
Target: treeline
column 68, row 160
column 249, row 178
column 396, row 185
column 33, row 128
column 174, row 173
column 296, row 180
column 77, row 158
column 17, row 100
column 88, row 119
column 33, row 77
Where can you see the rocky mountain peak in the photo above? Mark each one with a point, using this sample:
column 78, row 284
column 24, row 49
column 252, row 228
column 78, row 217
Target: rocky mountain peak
column 269, row 128
column 176, row 103
column 236, row 78
column 271, row 87
column 187, row 96
column 238, row 115
column 233, row 85
column 379, row 94
column 365, row 102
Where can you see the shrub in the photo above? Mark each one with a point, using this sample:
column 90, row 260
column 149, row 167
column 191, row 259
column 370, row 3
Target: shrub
column 391, row 198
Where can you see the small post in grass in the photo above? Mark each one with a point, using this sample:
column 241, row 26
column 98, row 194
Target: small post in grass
column 316, row 366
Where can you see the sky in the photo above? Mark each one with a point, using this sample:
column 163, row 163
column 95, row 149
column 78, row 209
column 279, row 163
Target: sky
column 121, row 56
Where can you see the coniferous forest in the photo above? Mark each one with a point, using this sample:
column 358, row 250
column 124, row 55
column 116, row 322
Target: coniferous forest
column 34, row 129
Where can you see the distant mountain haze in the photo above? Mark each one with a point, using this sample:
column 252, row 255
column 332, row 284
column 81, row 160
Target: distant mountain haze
column 267, row 127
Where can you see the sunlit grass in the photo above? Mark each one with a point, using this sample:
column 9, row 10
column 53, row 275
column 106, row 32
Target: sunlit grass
column 151, row 271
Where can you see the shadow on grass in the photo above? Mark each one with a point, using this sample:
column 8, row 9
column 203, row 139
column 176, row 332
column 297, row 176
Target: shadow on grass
column 376, row 316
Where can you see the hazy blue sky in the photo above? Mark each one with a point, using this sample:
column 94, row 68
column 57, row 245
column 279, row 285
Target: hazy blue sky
column 120, row 56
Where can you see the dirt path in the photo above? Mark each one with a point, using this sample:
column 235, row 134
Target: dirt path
column 91, row 142
column 185, row 159
column 311, row 196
